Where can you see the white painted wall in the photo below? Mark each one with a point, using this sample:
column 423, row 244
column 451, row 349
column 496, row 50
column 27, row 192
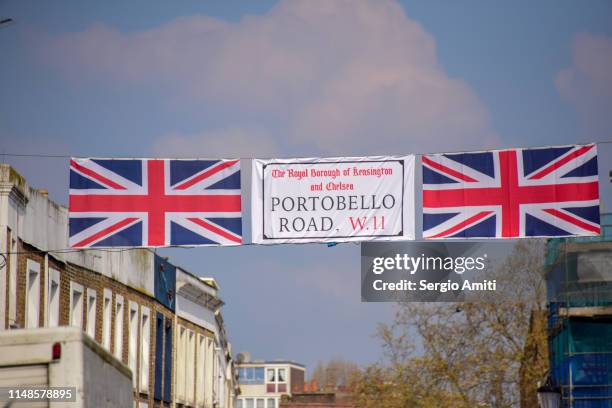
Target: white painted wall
column 100, row 379
column 195, row 313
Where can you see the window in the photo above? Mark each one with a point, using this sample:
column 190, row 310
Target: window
column 249, row 403
column 190, row 368
column 239, row 403
column 276, row 380
column 133, row 340
column 159, row 357
column 185, row 381
column 53, row 298
column 32, row 306
column 180, row 364
column 119, row 327
column 259, row 375
column 221, row 380
column 91, row 312
column 281, row 380
column 270, row 380
column 281, row 375
column 260, row 403
column 200, row 368
column 12, row 272
column 76, row 305
column 271, row 376
column 209, row 375
column 106, row 318
column 145, row 346
column 215, row 375
column 168, row 341
column 4, row 271
column 271, row 403
column 251, row 375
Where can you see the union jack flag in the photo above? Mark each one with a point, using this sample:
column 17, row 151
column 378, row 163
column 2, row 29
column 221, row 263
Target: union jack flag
column 154, row 203
column 542, row 192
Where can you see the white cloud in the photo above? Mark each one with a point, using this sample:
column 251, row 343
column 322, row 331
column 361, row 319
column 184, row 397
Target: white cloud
column 342, row 77
column 587, row 83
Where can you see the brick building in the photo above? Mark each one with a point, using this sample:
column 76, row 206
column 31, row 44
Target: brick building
column 315, row 399
column 311, row 397
column 163, row 322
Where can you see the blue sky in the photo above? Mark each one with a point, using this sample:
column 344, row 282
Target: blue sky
column 245, row 78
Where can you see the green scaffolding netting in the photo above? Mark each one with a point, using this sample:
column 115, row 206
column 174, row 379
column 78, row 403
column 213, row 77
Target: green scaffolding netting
column 582, row 336
column 581, row 360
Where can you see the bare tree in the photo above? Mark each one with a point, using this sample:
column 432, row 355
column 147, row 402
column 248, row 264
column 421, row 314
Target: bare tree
column 336, row 372
column 466, row 354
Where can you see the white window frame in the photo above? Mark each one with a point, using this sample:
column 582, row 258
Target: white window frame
column 107, row 314
column 92, row 304
column 32, row 295
column 76, row 311
column 145, row 348
column 53, row 298
column 273, row 380
column 200, row 370
column 220, row 376
column 133, row 341
column 216, row 375
column 209, row 373
column 276, row 380
column 118, row 341
column 190, row 368
column 278, row 370
column 180, row 363
column 4, row 282
column 12, row 281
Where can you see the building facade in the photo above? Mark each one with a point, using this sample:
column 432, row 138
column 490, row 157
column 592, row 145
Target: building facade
column 161, row 321
column 579, row 291
column 263, row 383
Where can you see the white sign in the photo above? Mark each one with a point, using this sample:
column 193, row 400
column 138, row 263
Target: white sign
column 333, row 199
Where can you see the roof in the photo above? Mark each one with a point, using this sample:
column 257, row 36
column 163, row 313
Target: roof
column 263, row 362
column 62, row 334
column 210, row 282
column 194, row 289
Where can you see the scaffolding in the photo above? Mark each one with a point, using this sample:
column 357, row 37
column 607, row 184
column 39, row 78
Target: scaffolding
column 579, row 294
